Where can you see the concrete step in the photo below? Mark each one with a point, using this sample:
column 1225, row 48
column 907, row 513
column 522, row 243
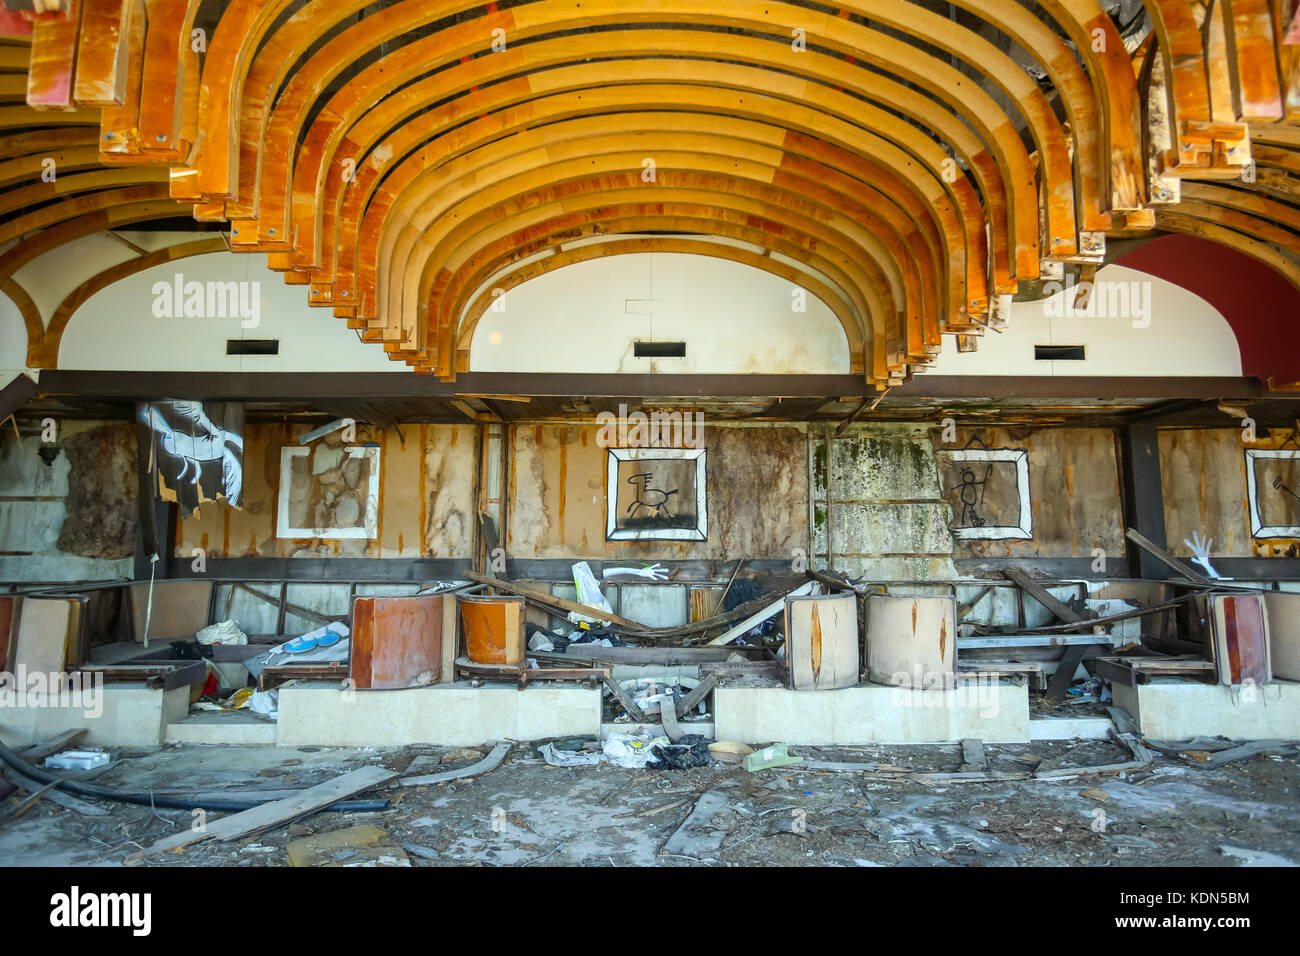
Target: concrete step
column 221, row 727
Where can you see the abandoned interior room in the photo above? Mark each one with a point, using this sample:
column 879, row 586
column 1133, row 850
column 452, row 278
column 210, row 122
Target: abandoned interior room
column 427, row 427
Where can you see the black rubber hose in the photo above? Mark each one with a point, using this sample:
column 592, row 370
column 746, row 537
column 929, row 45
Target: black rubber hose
column 167, row 803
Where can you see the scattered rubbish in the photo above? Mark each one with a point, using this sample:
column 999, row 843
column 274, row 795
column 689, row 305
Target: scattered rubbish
column 777, row 755
column 354, row 846
column 1246, row 751
column 274, row 814
column 1255, row 857
column 698, row 833
column 227, row 632
column 423, row 852
column 632, row 751
column 265, row 702
column 490, row 762
column 556, row 757
column 691, row 751
column 727, row 751
column 1092, row 793
column 77, row 760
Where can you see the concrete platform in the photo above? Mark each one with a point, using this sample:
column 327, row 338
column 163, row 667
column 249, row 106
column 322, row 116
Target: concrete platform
column 1175, row 709
column 448, row 714
column 214, row 727
column 1070, row 728
column 114, row 715
column 997, row 712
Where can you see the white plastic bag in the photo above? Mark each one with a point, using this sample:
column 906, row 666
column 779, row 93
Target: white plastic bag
column 588, row 588
column 227, row 632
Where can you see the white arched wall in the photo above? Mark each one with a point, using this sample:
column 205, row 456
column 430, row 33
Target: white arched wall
column 585, row 317
column 1186, row 336
column 117, row 328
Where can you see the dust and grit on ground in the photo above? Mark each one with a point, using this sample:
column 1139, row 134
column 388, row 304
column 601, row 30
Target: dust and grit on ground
column 1173, row 812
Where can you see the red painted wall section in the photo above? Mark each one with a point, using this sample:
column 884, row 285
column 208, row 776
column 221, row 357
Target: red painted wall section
column 1262, row 307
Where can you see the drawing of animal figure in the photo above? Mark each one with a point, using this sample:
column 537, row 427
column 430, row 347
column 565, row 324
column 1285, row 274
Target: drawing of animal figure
column 652, row 499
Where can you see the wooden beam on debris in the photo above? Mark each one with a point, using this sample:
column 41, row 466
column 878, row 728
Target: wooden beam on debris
column 758, row 618
column 1166, row 558
column 273, row 814
column 1073, row 656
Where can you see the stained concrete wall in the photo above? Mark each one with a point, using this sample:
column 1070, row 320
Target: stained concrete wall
column 425, row 499
column 884, row 516
column 757, row 495
column 72, row 517
column 1203, row 477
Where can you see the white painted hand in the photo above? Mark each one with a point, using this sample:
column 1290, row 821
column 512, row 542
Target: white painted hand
column 1201, row 548
column 654, row 572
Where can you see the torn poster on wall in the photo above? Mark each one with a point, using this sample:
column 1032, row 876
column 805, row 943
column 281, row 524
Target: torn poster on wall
column 197, row 450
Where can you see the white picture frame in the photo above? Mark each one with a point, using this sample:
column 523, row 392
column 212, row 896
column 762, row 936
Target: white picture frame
column 1023, row 530
column 1257, row 527
column 369, row 528
column 614, row 533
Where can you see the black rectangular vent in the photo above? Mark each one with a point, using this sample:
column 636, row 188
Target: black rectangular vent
column 660, row 349
column 1058, row 353
column 252, row 346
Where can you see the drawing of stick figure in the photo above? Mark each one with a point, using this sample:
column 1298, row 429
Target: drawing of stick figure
column 651, row 498
column 972, row 496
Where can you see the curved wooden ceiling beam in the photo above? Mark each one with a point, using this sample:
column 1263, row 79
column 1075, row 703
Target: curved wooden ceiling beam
column 72, row 185
column 1085, row 105
column 1002, row 72
column 931, row 207
column 596, row 189
column 907, row 263
column 593, row 211
column 1171, row 219
column 464, row 199
column 100, row 220
column 1102, row 49
column 31, row 316
column 944, row 82
column 576, row 77
column 657, row 132
column 238, row 35
column 415, row 168
column 78, row 206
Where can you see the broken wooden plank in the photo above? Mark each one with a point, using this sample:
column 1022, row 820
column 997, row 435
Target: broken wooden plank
column 702, row 690
column 625, row 700
column 1044, row 597
column 488, row 763
column 53, row 745
column 1073, row 656
column 273, row 814
column 1164, row 557
column 759, row 617
column 57, row 797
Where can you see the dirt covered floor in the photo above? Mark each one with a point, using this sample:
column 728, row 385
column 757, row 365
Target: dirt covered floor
column 525, row 812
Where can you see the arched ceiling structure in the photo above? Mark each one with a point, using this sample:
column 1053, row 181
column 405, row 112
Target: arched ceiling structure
column 910, row 162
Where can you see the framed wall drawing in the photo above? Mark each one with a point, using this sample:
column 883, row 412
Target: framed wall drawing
column 656, row 494
column 1273, row 492
column 988, row 489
